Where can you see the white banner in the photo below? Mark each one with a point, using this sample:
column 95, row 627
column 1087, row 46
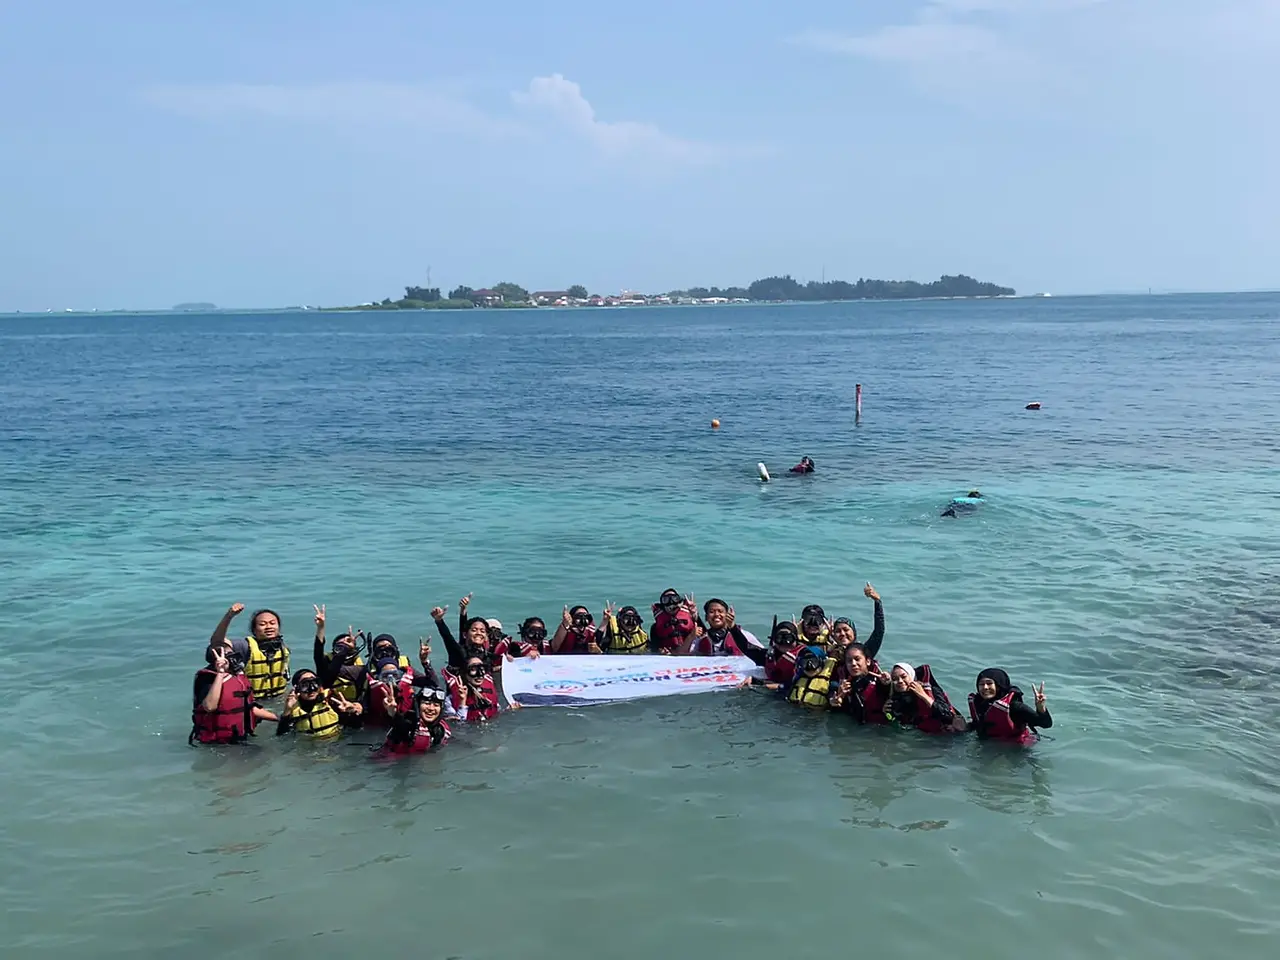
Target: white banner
column 575, row 681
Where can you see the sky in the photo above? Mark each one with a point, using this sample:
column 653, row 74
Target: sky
column 280, row 152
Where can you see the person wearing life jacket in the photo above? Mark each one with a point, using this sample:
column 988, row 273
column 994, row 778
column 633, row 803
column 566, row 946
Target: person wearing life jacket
column 577, row 633
column 804, row 466
column 996, row 710
column 861, row 689
column 530, row 643
column 265, row 654
column 917, row 700
column 473, row 692
column 223, row 708
column 813, row 682
column 387, row 677
column 722, row 636
column 384, row 647
column 675, row 623
column 419, row 728
column 312, row 711
column 341, row 670
column 474, row 637
column 844, row 632
column 815, row 628
column 623, row 631
column 779, row 659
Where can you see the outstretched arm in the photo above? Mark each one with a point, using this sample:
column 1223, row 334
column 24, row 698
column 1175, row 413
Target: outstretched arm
column 220, row 631
column 877, row 631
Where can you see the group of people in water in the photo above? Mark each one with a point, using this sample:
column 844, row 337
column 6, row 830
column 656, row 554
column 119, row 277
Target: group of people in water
column 364, row 680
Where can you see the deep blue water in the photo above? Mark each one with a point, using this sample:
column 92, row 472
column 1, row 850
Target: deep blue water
column 153, row 469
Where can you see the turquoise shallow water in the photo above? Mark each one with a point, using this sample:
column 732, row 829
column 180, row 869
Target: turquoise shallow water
column 155, row 469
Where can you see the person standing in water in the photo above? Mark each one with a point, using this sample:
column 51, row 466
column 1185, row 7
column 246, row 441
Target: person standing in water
column 723, row 637
column 418, row 729
column 996, row 710
column 223, row 707
column 624, row 631
column 265, row 654
column 843, row 631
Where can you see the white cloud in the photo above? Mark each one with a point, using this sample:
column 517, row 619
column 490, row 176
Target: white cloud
column 562, row 102
column 352, row 105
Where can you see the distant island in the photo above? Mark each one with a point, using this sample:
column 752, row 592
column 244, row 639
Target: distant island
column 769, row 290
column 194, row 308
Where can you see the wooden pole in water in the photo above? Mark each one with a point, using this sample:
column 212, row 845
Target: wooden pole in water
column 858, row 400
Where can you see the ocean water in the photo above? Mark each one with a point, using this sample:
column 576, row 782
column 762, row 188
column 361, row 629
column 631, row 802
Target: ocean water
column 155, row 469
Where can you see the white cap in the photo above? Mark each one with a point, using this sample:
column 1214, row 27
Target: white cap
column 496, row 624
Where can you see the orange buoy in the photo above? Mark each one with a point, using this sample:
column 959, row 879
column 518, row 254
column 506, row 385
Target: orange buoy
column 715, row 424
column 1033, row 405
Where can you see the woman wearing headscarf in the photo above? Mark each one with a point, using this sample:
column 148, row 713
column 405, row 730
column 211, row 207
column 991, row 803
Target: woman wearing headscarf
column 996, row 710
column 917, row 700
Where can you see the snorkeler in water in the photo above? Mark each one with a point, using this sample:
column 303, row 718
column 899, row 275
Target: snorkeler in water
column 804, row 466
column 966, row 504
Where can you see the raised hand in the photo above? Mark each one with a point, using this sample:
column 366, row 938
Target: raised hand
column 730, row 620
column 566, row 619
column 319, row 615
column 235, row 610
column 424, row 649
column 220, row 664
column 290, row 701
column 465, row 602
column 691, row 603
column 437, row 613
column 1040, row 704
column 870, row 592
column 389, row 699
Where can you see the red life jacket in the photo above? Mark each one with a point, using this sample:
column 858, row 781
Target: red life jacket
column 873, row 697
column 463, row 698
column 781, row 667
column 575, row 642
column 705, row 648
column 514, row 646
column 422, row 740
column 997, row 724
column 922, row 718
column 667, row 632
column 232, row 719
column 376, row 712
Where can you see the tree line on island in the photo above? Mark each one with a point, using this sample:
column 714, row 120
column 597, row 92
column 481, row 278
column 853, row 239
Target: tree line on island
column 769, row 290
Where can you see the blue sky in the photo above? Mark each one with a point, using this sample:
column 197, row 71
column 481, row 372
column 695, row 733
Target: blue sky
column 272, row 152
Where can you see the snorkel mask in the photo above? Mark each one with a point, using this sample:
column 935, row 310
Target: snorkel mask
column 784, row 634
column 344, row 649
column 629, row 619
column 813, row 617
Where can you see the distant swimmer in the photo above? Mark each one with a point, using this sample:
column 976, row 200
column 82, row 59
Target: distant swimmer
column 804, row 466
column 966, row 504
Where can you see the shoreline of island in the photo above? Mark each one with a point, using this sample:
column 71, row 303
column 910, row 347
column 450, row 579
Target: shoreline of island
column 776, row 290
